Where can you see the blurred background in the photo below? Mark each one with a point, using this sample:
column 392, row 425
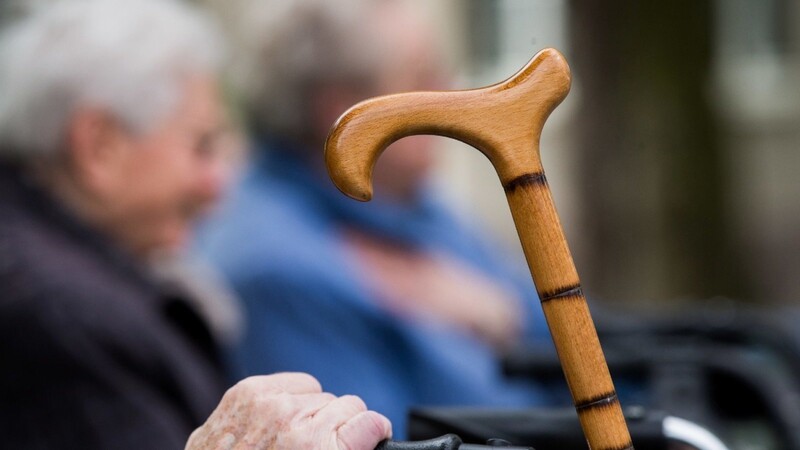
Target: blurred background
column 673, row 163
column 673, row 160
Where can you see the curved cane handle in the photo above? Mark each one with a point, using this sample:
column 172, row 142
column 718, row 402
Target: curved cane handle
column 504, row 121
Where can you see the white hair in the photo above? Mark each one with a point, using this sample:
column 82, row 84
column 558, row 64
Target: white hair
column 283, row 47
column 128, row 57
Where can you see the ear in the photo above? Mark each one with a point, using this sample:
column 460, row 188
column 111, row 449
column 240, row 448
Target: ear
column 96, row 146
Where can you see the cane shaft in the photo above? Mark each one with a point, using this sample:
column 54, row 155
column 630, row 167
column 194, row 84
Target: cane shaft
column 504, row 121
column 567, row 313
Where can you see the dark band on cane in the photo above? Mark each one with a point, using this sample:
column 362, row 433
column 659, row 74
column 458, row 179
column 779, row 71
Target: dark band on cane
column 597, row 402
column 535, row 178
column 562, row 293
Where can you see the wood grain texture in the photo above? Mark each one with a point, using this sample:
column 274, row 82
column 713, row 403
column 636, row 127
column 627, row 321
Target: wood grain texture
column 504, row 121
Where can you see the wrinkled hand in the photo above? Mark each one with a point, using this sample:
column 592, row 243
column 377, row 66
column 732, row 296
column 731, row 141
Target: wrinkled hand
column 289, row 411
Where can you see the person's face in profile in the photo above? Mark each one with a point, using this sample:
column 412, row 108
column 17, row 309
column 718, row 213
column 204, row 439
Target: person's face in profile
column 415, row 65
column 155, row 184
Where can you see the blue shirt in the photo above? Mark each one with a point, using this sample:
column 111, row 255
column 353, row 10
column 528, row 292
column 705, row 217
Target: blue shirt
column 278, row 242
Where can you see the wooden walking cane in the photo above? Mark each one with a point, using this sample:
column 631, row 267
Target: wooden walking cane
column 504, row 121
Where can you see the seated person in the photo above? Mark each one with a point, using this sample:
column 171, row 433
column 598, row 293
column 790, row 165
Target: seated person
column 395, row 300
column 109, row 113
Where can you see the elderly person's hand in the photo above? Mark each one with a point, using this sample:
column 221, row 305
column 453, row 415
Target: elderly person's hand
column 289, row 411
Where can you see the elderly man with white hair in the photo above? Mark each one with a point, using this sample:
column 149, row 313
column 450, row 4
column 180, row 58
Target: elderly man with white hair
column 109, row 121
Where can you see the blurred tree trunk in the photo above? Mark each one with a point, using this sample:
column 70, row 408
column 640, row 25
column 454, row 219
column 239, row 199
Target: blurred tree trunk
column 651, row 167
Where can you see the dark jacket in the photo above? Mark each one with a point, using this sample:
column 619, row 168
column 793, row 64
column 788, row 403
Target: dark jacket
column 93, row 353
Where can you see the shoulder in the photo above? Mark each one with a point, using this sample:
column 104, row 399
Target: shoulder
column 268, row 227
column 60, row 297
column 42, row 262
column 81, row 336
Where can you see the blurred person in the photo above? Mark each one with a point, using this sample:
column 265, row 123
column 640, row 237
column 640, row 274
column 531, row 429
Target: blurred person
column 109, row 121
column 396, row 300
